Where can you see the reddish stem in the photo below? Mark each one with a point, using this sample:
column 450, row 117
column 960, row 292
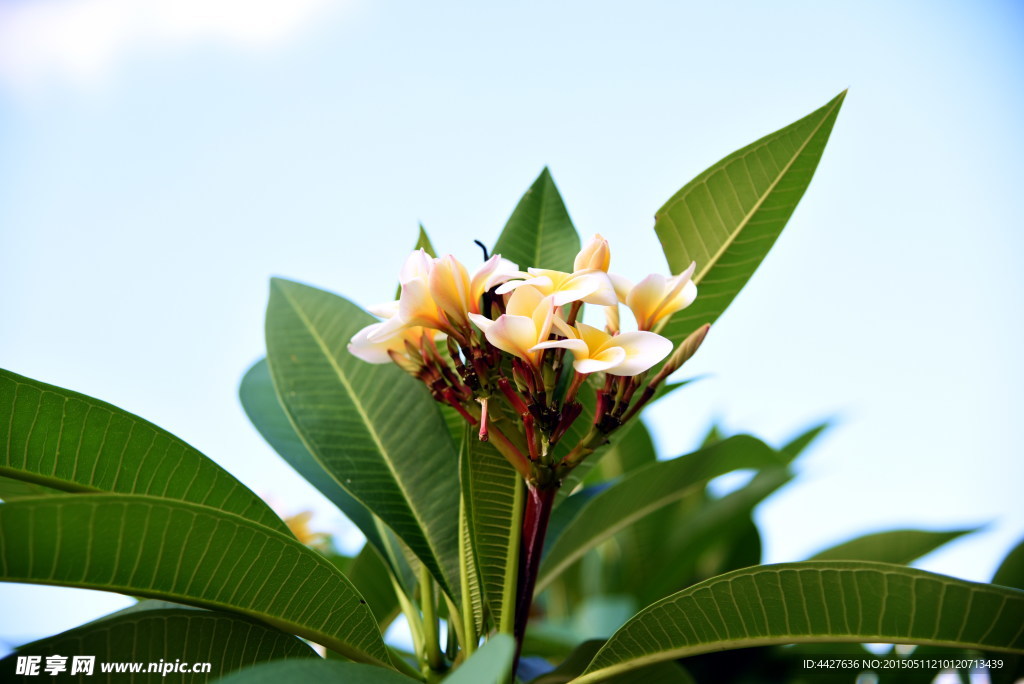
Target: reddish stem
column 536, row 514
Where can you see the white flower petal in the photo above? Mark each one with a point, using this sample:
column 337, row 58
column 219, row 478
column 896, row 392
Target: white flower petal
column 372, row 352
column 641, row 351
column 577, row 347
column 482, row 322
column 385, row 310
column 605, row 361
column 417, row 265
column 513, row 334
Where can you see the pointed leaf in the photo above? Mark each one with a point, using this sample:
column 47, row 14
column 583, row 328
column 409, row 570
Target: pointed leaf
column 155, row 631
column 65, row 440
column 159, row 548
column 492, row 664
column 314, row 671
column 539, row 233
column 1011, row 571
column 727, row 218
column 645, row 491
column 374, row 428
column 816, row 601
column 893, row 546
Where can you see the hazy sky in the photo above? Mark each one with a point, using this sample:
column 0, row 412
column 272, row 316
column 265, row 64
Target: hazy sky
column 160, row 161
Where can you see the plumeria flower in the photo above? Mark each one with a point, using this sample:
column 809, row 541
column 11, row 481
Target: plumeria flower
column 594, row 350
column 527, row 321
column 596, row 254
column 364, row 345
column 656, row 296
column 457, row 294
column 589, row 285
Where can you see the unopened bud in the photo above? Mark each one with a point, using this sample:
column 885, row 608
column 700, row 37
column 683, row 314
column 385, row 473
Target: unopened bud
column 685, row 350
column 595, row 254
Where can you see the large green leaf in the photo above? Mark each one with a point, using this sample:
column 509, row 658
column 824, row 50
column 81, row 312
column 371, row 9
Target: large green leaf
column 492, row 664
column 266, row 413
column 816, row 601
column 182, row 552
column 369, row 574
column 12, row 489
column 694, row 544
column 645, row 491
column 577, row 661
column 374, row 428
column 539, row 233
column 285, row 671
column 494, row 494
column 157, row 631
column 727, row 218
column 893, row 546
column 65, row 440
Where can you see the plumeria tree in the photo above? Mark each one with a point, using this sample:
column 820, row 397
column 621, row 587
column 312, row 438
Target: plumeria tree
column 484, row 432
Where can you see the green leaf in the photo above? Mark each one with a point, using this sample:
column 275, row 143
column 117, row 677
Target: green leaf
column 645, row 491
column 1011, row 571
column 374, row 428
column 266, row 413
column 494, row 494
column 573, row 666
column 370, row 576
column 539, row 233
column 314, row 671
column 65, row 440
column 632, row 450
column 801, row 442
column 894, row 546
column 691, row 541
column 12, row 489
column 182, row 552
column 155, row 631
column 727, row 218
column 816, row 601
column 492, row 664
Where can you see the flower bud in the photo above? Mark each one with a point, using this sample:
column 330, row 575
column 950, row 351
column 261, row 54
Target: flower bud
column 595, row 254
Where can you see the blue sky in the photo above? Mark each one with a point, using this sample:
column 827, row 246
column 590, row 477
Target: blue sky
column 157, row 168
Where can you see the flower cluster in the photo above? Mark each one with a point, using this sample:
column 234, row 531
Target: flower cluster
column 492, row 345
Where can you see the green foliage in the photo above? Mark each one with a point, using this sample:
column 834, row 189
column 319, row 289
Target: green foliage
column 152, row 630
column 70, row 442
column 183, row 552
column 727, row 218
column 815, row 601
column 96, row 497
column 372, row 427
column 894, row 546
column 645, row 491
column 314, row 671
column 540, row 232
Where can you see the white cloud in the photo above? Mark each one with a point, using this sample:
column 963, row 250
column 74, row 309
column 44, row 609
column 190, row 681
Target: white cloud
column 82, row 41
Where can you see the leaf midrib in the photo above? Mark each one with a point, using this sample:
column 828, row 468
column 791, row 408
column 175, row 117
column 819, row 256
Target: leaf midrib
column 321, row 344
column 701, row 272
